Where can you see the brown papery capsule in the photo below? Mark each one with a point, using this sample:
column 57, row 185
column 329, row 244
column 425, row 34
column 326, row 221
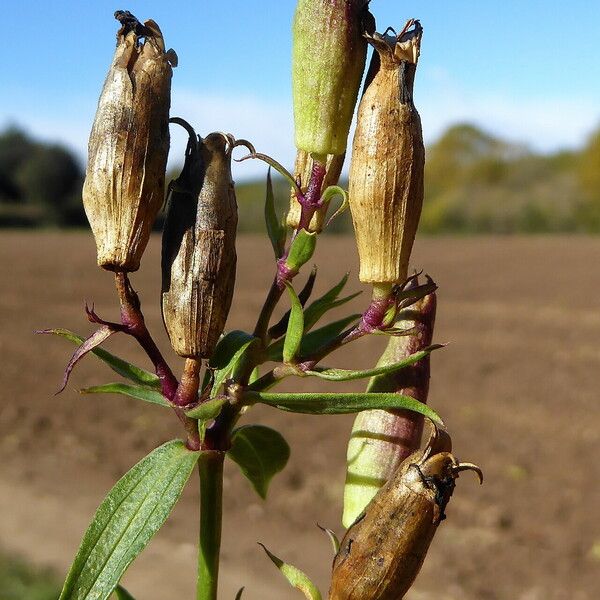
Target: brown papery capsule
column 198, row 254
column 382, row 553
column 302, row 170
column 128, row 145
column 388, row 158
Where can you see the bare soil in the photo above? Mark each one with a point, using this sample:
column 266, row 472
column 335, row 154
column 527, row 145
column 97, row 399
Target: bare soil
column 517, row 386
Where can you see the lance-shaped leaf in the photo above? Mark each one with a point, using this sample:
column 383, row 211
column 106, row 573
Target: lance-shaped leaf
column 315, row 403
column 238, row 596
column 140, row 392
column 293, row 335
column 94, row 340
column 228, row 354
column 348, row 375
column 275, row 228
column 118, row 365
column 296, row 578
column 122, row 594
column 314, row 340
column 325, row 303
column 260, row 452
column 208, row 410
column 277, row 330
column 328, row 194
column 124, row 523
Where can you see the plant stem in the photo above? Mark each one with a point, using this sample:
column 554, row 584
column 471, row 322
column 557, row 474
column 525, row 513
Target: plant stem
column 210, row 468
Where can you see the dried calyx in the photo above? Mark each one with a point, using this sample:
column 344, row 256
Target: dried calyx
column 388, row 159
column 198, row 254
column 129, row 144
column 373, row 564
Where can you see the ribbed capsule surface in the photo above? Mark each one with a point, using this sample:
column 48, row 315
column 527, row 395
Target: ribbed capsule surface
column 328, row 59
column 198, row 254
column 388, row 159
column 380, row 439
column 302, row 169
column 382, row 553
column 128, row 148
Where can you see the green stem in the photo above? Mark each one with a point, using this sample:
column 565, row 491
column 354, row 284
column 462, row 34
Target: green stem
column 210, row 467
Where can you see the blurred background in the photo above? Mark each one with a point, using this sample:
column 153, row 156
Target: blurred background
column 509, row 97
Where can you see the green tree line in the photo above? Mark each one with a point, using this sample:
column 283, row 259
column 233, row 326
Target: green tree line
column 475, row 183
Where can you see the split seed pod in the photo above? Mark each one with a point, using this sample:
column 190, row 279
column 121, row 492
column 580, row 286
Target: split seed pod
column 328, row 60
column 128, row 146
column 388, row 159
column 198, row 252
column 302, row 171
column 381, row 439
column 382, row 553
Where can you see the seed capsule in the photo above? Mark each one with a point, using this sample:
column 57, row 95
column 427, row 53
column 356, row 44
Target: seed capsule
column 128, row 146
column 388, row 158
column 198, row 254
column 382, row 553
column 380, row 439
column 328, row 59
column 302, row 170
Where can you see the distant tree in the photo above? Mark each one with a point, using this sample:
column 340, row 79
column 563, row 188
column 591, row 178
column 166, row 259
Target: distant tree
column 51, row 177
column 15, row 147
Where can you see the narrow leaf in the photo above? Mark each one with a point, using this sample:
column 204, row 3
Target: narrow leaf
column 260, row 452
column 301, row 250
column 335, row 542
column 238, row 596
column 329, row 193
column 126, row 389
column 228, row 354
column 338, row 404
column 296, row 578
column 124, row 523
column 321, row 305
column 123, row 594
column 118, row 365
column 207, row 410
column 293, row 336
column 275, row 230
column 347, row 375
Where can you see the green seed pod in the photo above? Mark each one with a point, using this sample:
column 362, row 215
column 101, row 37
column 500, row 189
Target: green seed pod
column 198, row 253
column 380, row 439
column 382, row 553
column 128, row 146
column 302, row 170
column 328, row 59
column 388, row 159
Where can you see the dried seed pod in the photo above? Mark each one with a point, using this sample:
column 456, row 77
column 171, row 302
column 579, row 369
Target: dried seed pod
column 328, row 59
column 198, row 253
column 302, row 170
column 382, row 553
column 388, row 158
column 381, row 439
column 128, row 146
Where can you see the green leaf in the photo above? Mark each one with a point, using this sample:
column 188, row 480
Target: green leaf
column 301, row 250
column 123, row 594
column 312, row 403
column 134, row 510
column 313, row 340
column 328, row 194
column 293, row 335
column 208, row 410
column 260, row 452
column 120, row 366
column 228, row 354
column 333, row 538
column 276, row 231
column 238, row 596
column 126, row 389
column 296, row 578
column 325, row 303
column 347, row 375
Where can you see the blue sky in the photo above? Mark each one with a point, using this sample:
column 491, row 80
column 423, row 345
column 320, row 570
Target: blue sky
column 527, row 70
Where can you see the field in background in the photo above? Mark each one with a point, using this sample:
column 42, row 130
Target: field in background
column 518, row 387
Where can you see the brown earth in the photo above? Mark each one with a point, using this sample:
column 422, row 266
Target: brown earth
column 518, row 387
